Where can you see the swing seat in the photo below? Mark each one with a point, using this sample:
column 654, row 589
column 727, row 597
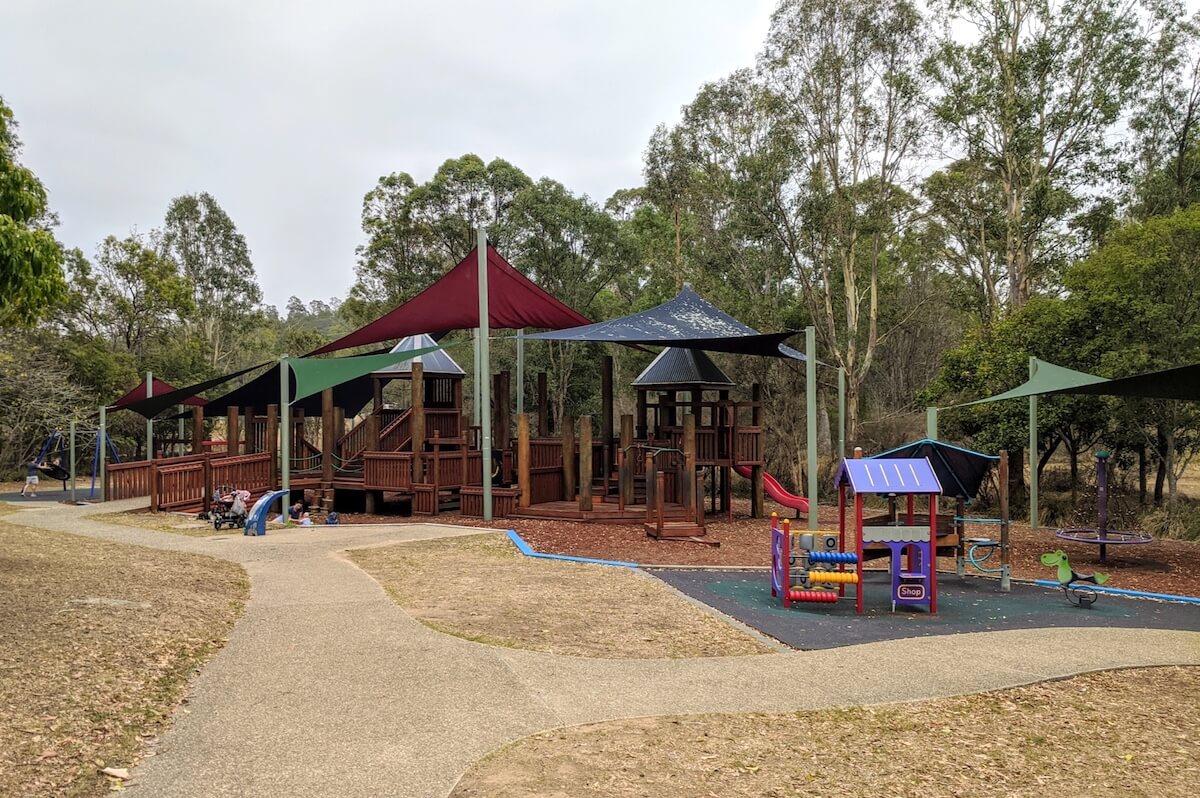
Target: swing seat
column 55, row 471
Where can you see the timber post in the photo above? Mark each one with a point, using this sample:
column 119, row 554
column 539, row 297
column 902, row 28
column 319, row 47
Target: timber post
column 606, row 419
column 524, row 467
column 328, row 441
column 651, row 483
column 417, row 422
column 688, row 477
column 568, row 455
column 756, row 471
column 585, row 463
column 272, row 437
column 626, row 461
column 1005, row 546
column 248, row 430
column 197, row 430
column 370, row 499
column 502, row 419
column 231, row 431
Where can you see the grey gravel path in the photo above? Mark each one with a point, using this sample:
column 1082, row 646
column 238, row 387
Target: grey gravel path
column 327, row 687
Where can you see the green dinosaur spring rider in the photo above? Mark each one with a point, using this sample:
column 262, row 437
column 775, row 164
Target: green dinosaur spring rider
column 1068, row 577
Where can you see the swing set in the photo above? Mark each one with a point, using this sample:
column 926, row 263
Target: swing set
column 60, row 448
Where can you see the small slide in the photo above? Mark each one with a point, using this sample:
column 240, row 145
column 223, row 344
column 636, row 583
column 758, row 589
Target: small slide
column 256, row 521
column 775, row 490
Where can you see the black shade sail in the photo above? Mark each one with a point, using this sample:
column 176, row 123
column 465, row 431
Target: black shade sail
column 960, row 471
column 180, row 396
column 687, row 321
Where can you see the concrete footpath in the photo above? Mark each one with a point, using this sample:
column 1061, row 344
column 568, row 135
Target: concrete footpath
column 326, row 687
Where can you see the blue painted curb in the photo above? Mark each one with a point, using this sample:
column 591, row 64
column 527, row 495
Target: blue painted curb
column 1117, row 591
column 525, row 549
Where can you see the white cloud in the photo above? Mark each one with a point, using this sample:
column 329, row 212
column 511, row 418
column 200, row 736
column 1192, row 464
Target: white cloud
column 288, row 112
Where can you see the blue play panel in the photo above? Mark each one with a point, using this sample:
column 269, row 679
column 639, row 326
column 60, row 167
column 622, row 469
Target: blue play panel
column 967, row 604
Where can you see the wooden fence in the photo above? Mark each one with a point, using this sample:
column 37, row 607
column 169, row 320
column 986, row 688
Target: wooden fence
column 127, row 480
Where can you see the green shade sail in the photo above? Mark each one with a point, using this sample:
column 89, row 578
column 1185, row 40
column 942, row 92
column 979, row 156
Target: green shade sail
column 314, row 375
column 1048, row 378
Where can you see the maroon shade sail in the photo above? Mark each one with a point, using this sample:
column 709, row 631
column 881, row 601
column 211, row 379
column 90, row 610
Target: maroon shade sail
column 160, row 387
column 451, row 303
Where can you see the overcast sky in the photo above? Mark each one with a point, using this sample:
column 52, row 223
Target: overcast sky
column 288, row 112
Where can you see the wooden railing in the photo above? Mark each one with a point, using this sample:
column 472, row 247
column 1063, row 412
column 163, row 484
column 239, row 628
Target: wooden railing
column 355, row 442
column 397, row 433
column 444, row 423
column 178, row 485
column 545, row 470
column 305, row 457
column 127, row 480
column 252, row 472
column 748, row 445
column 387, row 471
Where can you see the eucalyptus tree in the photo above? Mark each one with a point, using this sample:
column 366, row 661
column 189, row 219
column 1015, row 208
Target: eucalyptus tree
column 201, row 237
column 1030, row 92
column 843, row 92
column 31, row 260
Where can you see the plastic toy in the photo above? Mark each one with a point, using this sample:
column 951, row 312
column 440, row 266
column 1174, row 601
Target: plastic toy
column 809, row 567
column 1068, row 577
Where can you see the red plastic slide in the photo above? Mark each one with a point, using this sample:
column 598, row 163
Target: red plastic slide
column 776, row 491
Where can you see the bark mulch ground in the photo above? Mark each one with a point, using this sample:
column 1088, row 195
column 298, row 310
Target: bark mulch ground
column 1130, row 733
column 97, row 641
column 481, row 589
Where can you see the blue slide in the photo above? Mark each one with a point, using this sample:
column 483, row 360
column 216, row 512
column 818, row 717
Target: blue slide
column 256, row 521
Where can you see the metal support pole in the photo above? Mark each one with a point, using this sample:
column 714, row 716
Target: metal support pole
column 841, row 450
column 520, row 372
column 483, row 372
column 71, row 464
column 285, row 435
column 150, row 420
column 102, row 448
column 931, row 423
column 810, row 395
column 476, row 393
column 1033, row 451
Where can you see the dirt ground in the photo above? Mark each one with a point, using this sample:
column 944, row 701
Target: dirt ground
column 1131, row 733
column 177, row 523
column 97, row 641
column 482, row 589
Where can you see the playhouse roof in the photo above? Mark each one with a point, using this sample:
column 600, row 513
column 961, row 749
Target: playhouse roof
column 682, row 368
column 685, row 321
column 160, row 388
column 435, row 362
column 452, row 303
column 899, row 475
column 961, row 471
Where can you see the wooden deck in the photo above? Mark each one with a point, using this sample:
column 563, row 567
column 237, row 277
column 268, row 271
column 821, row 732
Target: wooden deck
column 602, row 512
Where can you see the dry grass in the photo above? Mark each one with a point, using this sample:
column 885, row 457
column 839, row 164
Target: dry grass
column 97, row 641
column 1129, row 733
column 175, row 523
column 482, row 589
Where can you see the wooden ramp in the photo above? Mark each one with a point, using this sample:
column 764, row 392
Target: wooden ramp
column 601, row 513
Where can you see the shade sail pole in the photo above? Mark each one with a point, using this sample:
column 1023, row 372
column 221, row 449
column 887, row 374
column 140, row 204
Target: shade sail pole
column 475, row 378
column 520, row 371
column 1033, row 450
column 841, row 450
column 483, row 369
column 810, row 396
column 72, row 434
column 931, row 423
column 285, row 436
column 102, row 456
column 149, row 419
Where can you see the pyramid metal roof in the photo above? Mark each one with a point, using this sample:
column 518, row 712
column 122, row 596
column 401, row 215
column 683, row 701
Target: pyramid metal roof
column 682, row 368
column 438, row 362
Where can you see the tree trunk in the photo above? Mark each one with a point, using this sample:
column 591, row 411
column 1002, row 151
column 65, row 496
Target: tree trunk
column 1161, row 475
column 1142, row 475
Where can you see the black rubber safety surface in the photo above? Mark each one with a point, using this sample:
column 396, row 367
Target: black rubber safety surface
column 966, row 604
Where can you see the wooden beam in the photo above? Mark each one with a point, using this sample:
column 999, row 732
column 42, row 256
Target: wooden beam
column 272, row 435
column 606, row 418
column 524, row 467
column 568, row 455
column 643, row 432
column 501, row 420
column 585, row 463
column 625, row 478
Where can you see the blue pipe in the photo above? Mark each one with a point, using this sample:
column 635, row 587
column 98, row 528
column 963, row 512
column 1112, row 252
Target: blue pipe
column 525, row 549
column 1117, row 591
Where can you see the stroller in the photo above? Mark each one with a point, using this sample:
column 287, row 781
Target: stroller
column 228, row 507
